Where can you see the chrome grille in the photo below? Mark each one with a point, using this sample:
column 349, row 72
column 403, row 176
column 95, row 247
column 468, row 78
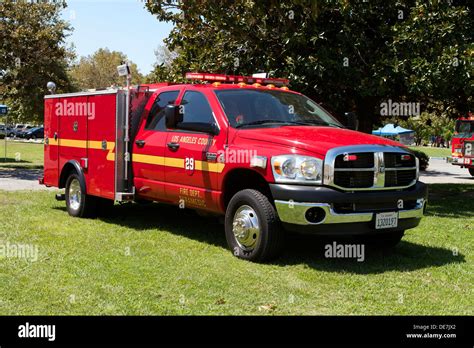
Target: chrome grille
column 370, row 167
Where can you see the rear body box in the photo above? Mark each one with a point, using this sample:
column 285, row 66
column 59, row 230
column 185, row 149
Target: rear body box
column 87, row 129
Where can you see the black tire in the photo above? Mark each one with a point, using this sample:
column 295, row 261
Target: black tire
column 388, row 240
column 269, row 241
column 86, row 204
column 33, row 137
column 471, row 171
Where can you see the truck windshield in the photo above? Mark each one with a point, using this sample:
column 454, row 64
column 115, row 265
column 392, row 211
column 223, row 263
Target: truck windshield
column 260, row 108
column 464, row 126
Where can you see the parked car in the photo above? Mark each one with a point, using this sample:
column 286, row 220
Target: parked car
column 2, row 128
column 22, row 132
column 14, row 131
column 34, row 133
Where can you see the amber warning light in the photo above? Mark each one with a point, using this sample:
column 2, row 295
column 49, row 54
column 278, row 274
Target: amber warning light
column 236, row 79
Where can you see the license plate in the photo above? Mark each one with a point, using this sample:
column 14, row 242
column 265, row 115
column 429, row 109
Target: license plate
column 386, row 220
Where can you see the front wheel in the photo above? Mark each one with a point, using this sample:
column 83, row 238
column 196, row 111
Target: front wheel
column 78, row 202
column 252, row 227
column 471, row 171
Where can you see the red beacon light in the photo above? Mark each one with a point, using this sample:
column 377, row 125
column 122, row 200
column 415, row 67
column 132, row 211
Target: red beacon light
column 406, row 157
column 250, row 80
column 349, row 158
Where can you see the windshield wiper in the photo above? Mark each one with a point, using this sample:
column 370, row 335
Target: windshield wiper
column 254, row 123
column 316, row 122
column 300, row 123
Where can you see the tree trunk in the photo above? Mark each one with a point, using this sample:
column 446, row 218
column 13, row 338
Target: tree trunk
column 368, row 111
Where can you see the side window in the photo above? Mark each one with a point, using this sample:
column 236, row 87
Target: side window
column 195, row 108
column 155, row 119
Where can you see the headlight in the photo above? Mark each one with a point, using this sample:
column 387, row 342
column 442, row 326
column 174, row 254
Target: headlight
column 297, row 169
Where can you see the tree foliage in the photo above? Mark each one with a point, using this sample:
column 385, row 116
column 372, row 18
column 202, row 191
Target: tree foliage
column 350, row 55
column 32, row 52
column 99, row 70
column 163, row 65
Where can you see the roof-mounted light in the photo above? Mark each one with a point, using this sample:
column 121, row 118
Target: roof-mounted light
column 236, row 79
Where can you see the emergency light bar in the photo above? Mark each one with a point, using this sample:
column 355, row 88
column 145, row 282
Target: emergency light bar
column 236, row 79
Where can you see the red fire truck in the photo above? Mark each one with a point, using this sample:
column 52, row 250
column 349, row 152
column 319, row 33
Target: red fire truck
column 463, row 143
column 267, row 158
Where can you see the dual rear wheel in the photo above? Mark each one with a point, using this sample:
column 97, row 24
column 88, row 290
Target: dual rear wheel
column 79, row 203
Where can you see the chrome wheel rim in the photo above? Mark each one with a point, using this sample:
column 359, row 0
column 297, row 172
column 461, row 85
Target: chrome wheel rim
column 246, row 227
column 75, row 194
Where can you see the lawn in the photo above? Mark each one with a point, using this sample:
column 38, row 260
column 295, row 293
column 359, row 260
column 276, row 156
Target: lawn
column 161, row 260
column 433, row 151
column 21, row 154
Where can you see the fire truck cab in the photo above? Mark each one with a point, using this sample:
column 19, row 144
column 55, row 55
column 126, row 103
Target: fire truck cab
column 463, row 143
column 267, row 158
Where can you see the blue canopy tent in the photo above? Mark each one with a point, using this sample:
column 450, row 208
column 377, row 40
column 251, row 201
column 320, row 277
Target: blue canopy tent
column 389, row 130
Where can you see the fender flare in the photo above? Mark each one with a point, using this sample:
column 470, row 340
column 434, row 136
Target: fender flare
column 71, row 165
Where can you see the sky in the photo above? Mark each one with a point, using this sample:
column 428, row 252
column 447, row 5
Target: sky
column 120, row 25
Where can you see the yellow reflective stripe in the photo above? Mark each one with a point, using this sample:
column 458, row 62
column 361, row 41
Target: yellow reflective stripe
column 158, row 160
column 82, row 144
column 139, row 158
column 209, row 167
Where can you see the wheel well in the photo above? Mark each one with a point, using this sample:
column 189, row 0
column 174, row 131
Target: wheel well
column 240, row 179
column 69, row 167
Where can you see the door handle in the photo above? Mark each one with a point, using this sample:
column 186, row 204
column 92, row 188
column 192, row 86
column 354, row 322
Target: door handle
column 173, row 146
column 140, row 143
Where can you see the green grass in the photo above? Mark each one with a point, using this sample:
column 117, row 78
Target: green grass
column 433, row 151
column 21, row 154
column 160, row 260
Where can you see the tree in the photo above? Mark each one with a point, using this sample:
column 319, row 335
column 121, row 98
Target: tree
column 351, row 55
column 434, row 50
column 163, row 67
column 32, row 52
column 99, row 70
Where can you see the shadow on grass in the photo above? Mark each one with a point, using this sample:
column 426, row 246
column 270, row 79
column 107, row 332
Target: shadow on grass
column 12, row 160
column 405, row 257
column 299, row 249
column 451, row 200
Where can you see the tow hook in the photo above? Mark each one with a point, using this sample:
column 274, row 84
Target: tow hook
column 60, row 197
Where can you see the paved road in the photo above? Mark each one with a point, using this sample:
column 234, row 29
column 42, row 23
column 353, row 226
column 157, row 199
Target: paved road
column 438, row 172
column 20, row 179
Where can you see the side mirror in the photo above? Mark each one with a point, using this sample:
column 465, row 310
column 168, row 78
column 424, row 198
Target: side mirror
column 351, row 120
column 172, row 116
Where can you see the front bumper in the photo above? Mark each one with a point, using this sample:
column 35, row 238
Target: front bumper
column 461, row 161
column 358, row 216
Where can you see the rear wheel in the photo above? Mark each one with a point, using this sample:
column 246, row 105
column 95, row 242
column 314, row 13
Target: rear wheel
column 471, row 171
column 252, row 227
column 78, row 202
